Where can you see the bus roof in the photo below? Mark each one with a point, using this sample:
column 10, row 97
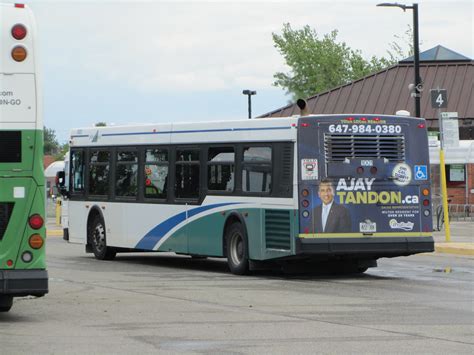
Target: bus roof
column 281, row 129
column 250, row 130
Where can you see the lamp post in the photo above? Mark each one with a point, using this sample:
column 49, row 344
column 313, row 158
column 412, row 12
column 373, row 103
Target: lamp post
column 416, row 50
column 249, row 93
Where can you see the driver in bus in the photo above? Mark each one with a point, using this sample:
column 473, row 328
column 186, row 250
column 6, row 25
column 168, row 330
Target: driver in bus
column 329, row 216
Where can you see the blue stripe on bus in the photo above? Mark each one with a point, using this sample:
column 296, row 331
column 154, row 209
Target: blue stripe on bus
column 149, row 241
column 196, row 131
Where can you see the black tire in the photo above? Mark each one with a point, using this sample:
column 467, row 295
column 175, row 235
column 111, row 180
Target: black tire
column 6, row 303
column 237, row 249
column 98, row 241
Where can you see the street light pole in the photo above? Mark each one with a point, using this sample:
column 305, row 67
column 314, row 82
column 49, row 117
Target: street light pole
column 249, row 93
column 416, row 52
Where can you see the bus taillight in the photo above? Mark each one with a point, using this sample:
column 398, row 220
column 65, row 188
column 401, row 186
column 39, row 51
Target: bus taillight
column 36, row 221
column 426, row 192
column 19, row 53
column 19, row 32
column 35, row 241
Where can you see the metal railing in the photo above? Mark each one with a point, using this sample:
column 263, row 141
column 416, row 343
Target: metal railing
column 456, row 212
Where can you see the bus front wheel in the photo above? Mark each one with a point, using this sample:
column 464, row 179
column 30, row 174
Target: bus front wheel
column 237, row 250
column 6, row 303
column 98, row 241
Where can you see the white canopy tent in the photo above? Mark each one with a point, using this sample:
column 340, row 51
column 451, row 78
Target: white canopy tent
column 463, row 154
column 50, row 171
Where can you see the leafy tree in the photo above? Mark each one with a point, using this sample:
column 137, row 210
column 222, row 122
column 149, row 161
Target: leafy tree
column 396, row 51
column 318, row 64
column 62, row 150
column 51, row 145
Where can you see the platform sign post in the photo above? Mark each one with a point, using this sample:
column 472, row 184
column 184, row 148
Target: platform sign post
column 439, row 100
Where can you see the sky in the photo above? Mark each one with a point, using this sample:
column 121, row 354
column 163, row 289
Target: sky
column 131, row 62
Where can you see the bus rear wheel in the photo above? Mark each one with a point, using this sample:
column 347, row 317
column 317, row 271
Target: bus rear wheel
column 6, row 303
column 237, row 250
column 98, row 241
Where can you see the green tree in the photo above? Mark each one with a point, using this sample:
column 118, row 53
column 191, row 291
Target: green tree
column 319, row 64
column 51, row 145
column 396, row 51
column 62, row 150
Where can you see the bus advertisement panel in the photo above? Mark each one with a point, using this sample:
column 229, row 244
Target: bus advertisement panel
column 365, row 177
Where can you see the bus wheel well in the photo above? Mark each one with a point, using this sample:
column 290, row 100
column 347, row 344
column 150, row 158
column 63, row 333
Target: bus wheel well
column 233, row 218
column 93, row 214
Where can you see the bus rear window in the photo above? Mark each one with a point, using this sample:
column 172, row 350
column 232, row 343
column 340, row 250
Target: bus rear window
column 10, row 146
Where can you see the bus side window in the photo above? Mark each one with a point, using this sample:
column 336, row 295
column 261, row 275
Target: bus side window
column 99, row 172
column 257, row 169
column 77, row 172
column 220, row 169
column 187, row 174
column 156, row 173
column 126, row 174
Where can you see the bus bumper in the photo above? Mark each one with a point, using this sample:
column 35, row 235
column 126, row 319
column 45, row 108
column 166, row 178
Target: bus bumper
column 20, row 283
column 365, row 247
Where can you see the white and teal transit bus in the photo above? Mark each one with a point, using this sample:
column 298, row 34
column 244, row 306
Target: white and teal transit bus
column 22, row 189
column 253, row 190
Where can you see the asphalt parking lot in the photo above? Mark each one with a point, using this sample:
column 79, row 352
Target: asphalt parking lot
column 148, row 303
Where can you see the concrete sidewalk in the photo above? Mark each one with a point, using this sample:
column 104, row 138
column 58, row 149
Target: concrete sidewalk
column 462, row 237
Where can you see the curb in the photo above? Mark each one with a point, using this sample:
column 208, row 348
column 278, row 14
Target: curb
column 54, row 233
column 455, row 248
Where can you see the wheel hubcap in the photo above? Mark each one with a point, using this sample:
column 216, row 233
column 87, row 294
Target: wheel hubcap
column 236, row 248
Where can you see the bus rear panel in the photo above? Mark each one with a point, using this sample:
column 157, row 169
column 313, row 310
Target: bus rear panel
column 364, row 187
column 22, row 195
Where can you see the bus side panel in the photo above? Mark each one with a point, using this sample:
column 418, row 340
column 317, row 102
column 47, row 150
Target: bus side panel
column 205, row 235
column 78, row 224
column 266, row 239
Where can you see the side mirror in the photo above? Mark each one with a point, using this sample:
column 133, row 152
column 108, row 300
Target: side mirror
column 61, row 183
column 60, row 179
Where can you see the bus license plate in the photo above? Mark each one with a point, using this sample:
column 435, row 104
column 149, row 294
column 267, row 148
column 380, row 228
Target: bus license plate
column 368, row 227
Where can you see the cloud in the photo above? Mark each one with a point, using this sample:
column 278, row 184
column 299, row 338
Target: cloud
column 202, row 46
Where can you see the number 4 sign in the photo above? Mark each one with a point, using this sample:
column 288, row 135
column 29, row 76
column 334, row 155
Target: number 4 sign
column 439, row 98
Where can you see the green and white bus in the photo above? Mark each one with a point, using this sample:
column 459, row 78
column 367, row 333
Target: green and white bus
column 252, row 190
column 22, row 190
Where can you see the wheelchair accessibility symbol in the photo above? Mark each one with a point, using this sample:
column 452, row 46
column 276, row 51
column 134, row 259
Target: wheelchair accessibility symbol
column 421, row 172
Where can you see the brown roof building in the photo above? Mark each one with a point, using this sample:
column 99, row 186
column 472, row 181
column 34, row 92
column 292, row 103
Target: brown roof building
column 386, row 91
